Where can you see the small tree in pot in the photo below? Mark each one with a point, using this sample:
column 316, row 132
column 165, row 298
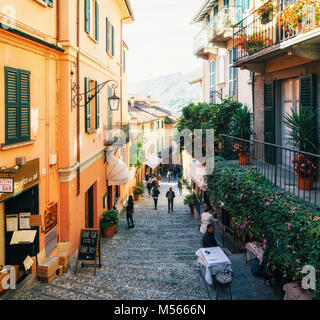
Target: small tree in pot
column 109, row 222
column 188, row 201
column 138, row 190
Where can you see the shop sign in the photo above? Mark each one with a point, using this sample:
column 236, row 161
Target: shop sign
column 25, row 177
column 6, row 185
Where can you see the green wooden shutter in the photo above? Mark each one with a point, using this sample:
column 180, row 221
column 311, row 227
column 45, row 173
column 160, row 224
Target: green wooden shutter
column 269, row 121
column 124, row 61
column 24, row 105
column 113, row 42
column 87, row 15
column 97, row 106
column 87, row 104
column 108, row 34
column 97, row 20
column 50, row 3
column 109, row 109
column 307, row 92
column 12, row 105
column 17, row 100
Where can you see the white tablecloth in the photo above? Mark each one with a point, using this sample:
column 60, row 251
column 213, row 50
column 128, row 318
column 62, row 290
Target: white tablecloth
column 214, row 261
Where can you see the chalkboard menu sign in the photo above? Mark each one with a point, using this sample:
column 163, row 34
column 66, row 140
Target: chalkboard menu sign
column 89, row 248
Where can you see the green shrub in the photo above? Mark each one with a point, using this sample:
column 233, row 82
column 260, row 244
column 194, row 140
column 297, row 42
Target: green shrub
column 188, row 200
column 288, row 226
column 139, row 188
column 109, row 218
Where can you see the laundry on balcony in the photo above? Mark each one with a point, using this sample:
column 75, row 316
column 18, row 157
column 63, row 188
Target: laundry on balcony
column 153, row 162
column 197, row 173
column 117, row 171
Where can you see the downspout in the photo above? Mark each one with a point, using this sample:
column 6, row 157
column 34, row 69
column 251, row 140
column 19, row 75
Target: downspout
column 78, row 97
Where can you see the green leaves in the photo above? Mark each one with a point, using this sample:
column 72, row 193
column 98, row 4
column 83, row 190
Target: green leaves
column 302, row 129
column 241, row 126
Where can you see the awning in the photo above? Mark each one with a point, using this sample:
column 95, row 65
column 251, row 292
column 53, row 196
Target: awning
column 117, row 171
column 153, row 162
column 197, row 173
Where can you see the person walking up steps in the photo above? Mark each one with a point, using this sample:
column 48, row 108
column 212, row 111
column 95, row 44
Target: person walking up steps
column 155, row 196
column 180, row 186
column 170, row 195
column 130, row 212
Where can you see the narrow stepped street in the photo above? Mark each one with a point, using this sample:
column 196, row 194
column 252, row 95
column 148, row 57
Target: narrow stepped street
column 155, row 260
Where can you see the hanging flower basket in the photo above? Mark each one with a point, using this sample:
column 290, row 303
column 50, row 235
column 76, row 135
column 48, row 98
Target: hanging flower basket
column 266, row 12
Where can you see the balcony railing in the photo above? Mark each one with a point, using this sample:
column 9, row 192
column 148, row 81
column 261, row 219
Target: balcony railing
column 224, row 21
column 275, row 163
column 259, row 31
column 200, row 41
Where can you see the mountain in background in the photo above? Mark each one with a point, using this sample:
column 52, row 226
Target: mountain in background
column 173, row 91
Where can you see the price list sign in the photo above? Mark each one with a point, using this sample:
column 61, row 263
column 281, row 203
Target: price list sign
column 89, row 248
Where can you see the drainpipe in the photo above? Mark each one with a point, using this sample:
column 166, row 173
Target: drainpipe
column 78, row 97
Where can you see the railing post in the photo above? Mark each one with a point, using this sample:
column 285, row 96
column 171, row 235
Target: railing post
column 275, row 165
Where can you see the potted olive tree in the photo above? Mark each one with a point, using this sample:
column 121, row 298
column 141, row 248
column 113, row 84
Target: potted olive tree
column 109, row 222
column 188, row 201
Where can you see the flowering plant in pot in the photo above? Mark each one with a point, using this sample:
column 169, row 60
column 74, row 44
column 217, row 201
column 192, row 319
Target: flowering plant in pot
column 305, row 171
column 138, row 190
column 109, row 222
column 188, row 201
column 265, row 11
column 243, row 151
column 253, row 43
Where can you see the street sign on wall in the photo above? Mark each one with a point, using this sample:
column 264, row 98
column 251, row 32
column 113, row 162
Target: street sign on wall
column 6, row 185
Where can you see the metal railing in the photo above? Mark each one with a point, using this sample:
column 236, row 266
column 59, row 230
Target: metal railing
column 278, row 164
column 197, row 203
column 200, row 41
column 259, row 31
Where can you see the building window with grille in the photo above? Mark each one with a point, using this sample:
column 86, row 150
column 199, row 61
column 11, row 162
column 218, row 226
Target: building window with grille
column 233, row 77
column 17, row 105
column 212, row 82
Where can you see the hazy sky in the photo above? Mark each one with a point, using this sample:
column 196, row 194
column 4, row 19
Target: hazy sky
column 160, row 40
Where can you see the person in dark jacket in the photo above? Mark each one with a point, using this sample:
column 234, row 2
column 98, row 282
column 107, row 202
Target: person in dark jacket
column 149, row 187
column 208, row 239
column 129, row 208
column 155, row 196
column 170, row 195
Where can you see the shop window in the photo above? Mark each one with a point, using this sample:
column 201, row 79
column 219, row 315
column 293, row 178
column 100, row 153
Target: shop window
column 17, row 105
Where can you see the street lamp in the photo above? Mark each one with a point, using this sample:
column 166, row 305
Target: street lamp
column 113, row 101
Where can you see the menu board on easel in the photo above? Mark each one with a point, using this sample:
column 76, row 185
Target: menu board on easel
column 89, row 248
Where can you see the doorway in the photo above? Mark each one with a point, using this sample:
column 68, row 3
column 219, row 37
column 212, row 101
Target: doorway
column 290, row 99
column 26, row 202
column 89, row 208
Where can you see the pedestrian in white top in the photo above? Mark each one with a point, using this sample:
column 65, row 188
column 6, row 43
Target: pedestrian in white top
column 206, row 218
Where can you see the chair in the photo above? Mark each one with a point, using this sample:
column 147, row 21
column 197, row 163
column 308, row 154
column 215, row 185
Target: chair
column 223, row 279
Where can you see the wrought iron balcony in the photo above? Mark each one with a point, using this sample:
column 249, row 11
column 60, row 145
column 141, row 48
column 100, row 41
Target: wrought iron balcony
column 221, row 26
column 201, row 46
column 284, row 26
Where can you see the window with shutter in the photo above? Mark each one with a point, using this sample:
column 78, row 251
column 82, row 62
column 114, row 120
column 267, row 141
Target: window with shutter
column 17, row 100
column 97, row 106
column 269, row 121
column 97, row 20
column 113, row 42
column 87, row 87
column 108, row 34
column 87, row 14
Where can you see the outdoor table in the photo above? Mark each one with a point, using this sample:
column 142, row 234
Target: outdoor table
column 214, row 260
column 254, row 251
column 293, row 292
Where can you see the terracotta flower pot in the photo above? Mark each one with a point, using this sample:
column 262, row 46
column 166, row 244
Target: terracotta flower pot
column 136, row 197
column 244, row 159
column 305, row 183
column 191, row 210
column 109, row 232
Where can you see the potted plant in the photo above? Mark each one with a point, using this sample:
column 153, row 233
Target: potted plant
column 305, row 171
column 188, row 201
column 138, row 190
column 244, row 153
column 302, row 135
column 265, row 12
column 109, row 222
